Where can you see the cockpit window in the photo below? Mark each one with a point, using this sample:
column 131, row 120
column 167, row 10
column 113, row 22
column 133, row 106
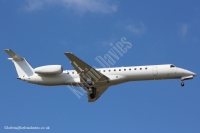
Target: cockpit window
column 172, row 66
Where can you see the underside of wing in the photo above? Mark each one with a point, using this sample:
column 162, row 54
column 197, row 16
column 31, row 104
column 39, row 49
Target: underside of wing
column 89, row 77
column 85, row 71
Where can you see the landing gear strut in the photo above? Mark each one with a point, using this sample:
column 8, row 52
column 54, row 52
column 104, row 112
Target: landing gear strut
column 93, row 93
column 182, row 83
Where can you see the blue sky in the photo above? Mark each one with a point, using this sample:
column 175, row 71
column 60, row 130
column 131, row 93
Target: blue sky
column 160, row 31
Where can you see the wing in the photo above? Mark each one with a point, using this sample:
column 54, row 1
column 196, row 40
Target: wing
column 85, row 71
column 89, row 75
column 99, row 92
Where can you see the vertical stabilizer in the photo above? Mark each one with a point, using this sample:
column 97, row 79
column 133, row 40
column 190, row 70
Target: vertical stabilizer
column 22, row 66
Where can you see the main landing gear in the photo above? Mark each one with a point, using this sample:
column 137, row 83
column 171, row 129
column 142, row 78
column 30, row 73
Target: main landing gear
column 93, row 92
column 182, row 83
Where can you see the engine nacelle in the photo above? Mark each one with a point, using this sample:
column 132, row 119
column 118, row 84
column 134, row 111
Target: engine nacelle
column 49, row 70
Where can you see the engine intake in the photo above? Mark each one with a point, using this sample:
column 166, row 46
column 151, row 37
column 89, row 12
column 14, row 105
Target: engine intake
column 49, row 70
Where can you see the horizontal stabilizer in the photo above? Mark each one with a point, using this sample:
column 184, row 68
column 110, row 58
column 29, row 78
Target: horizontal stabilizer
column 22, row 66
column 13, row 55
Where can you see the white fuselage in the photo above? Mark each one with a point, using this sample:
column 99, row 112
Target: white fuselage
column 116, row 75
column 94, row 81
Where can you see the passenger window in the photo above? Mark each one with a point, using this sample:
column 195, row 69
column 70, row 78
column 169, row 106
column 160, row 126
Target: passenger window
column 119, row 69
column 114, row 70
column 140, row 68
column 72, row 72
column 109, row 70
column 135, row 68
column 146, row 68
column 129, row 69
column 103, row 70
column 124, row 69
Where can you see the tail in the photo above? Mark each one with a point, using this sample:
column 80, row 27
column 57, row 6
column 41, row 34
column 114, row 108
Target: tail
column 22, row 66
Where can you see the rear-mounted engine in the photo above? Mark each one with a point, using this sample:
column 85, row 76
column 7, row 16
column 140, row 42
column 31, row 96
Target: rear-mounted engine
column 49, row 70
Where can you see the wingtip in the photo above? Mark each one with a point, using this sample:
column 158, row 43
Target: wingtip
column 67, row 52
column 6, row 49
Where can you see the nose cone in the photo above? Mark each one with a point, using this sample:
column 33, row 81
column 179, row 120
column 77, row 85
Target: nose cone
column 187, row 72
column 194, row 74
column 191, row 73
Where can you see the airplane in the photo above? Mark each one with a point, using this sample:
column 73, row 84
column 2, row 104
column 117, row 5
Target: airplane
column 95, row 81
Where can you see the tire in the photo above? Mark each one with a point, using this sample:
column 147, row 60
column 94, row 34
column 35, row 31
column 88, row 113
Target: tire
column 93, row 94
column 182, row 83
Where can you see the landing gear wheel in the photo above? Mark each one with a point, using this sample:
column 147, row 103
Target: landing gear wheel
column 93, row 94
column 182, row 83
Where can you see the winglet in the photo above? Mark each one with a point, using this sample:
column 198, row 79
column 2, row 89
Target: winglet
column 13, row 55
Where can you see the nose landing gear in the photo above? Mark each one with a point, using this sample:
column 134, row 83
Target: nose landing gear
column 182, row 83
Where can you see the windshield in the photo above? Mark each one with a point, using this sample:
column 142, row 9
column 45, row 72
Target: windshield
column 172, row 66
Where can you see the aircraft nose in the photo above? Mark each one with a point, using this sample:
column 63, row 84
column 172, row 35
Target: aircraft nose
column 187, row 72
column 191, row 73
column 194, row 74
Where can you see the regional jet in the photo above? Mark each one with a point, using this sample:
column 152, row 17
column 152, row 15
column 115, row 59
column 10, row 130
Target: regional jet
column 95, row 81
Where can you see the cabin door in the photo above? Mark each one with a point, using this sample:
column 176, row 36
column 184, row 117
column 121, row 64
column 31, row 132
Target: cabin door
column 155, row 70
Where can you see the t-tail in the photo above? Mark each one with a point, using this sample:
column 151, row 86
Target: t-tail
column 22, row 66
